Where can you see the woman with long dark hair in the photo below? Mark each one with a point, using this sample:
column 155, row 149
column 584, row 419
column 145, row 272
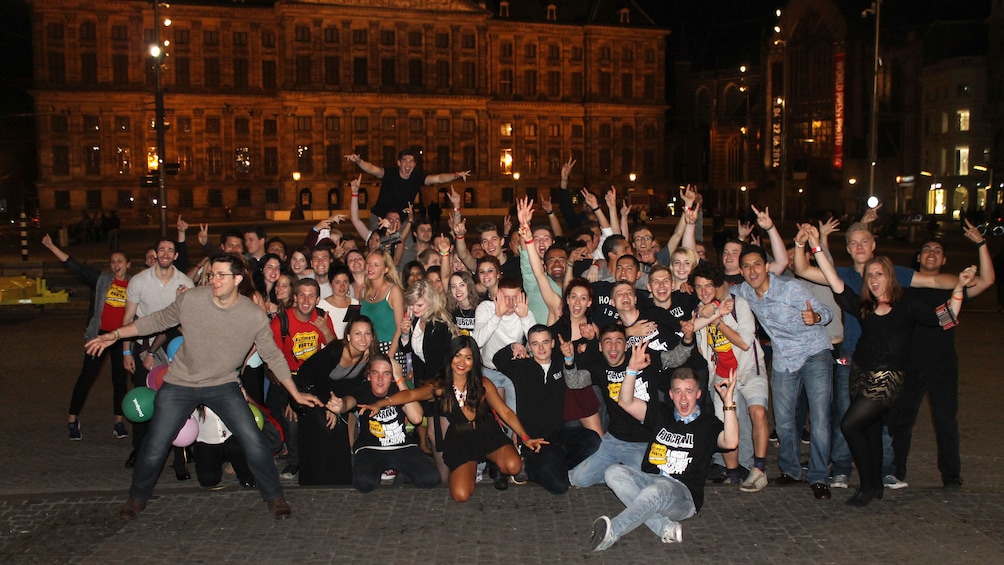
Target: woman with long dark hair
column 467, row 400
column 325, row 457
column 887, row 314
column 576, row 325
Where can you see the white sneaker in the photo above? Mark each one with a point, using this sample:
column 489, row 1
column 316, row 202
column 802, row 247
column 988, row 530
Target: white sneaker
column 893, row 482
column 601, row 538
column 756, row 481
column 674, row 531
column 839, row 481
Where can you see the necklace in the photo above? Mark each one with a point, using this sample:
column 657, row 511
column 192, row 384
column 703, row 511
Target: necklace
column 461, row 396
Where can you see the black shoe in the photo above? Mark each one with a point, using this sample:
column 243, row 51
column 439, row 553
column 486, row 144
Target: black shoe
column 821, row 491
column 182, row 474
column 501, row 481
column 131, row 460
column 953, row 482
column 861, row 498
column 717, row 473
column 249, row 484
column 774, row 439
column 784, row 480
column 806, row 436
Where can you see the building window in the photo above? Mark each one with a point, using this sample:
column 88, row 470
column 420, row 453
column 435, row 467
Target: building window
column 467, row 41
column 605, row 131
column 270, row 127
column 530, row 82
column 268, row 74
column 605, row 53
column 627, row 86
column 304, row 159
column 242, row 160
column 332, row 159
column 625, row 15
column 213, row 125
column 120, row 33
column 271, row 196
column 388, row 71
column 59, row 124
column 91, row 123
column 359, row 37
column 124, row 160
column 212, row 72
column 505, row 161
column 468, row 154
column 554, row 84
column 210, row 37
column 554, row 161
column 443, row 161
column 605, row 84
column 185, row 160
column 467, row 125
column 416, row 125
column 93, row 199
column 627, row 54
column 529, row 130
column 214, row 198
column 503, row 9
column 332, row 123
column 443, row 40
column 553, row 52
column 359, row 71
column 962, row 116
column 414, row 39
column 242, row 126
column 302, row 33
column 241, row 73
column 181, row 36
column 60, row 160
column 554, row 130
column 415, row 72
column 182, row 70
column 268, row 39
column 505, row 82
column 468, row 74
column 505, row 129
column 304, row 123
column 92, row 160
column 649, row 86
column 530, row 161
column 89, row 68
column 214, row 160
column 577, row 85
column 577, row 131
column 271, row 161
column 361, row 124
column 62, row 199
column 442, row 74
column 240, row 39
column 605, row 160
column 388, row 124
column 387, row 37
column 331, row 34
column 57, row 67
column 186, row 198
column 88, row 31
column 389, row 154
column 627, row 160
column 552, row 12
column 443, row 125
column 303, row 69
column 576, row 53
column 962, row 160
column 505, row 49
column 244, row 197
column 627, row 132
column 530, row 50
column 331, row 71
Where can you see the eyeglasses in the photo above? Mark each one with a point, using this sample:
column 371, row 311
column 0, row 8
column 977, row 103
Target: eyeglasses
column 643, row 238
column 212, row 276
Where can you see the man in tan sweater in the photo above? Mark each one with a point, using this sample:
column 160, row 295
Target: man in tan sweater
column 220, row 328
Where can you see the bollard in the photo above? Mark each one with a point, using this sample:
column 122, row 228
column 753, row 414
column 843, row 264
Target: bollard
column 24, row 237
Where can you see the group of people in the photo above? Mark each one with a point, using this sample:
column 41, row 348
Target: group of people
column 566, row 353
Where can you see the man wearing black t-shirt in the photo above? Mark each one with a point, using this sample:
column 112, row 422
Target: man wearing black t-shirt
column 540, row 404
column 626, row 269
column 669, row 486
column 401, row 185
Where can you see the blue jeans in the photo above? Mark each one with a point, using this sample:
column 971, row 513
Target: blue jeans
column 502, row 383
column 173, row 405
column 840, row 454
column 610, row 452
column 653, row 500
column 816, row 375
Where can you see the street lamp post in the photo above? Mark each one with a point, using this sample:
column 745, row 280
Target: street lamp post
column 515, row 179
column 876, row 9
column 158, row 61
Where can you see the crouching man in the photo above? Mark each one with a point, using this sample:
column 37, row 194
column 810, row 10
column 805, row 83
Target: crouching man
column 669, row 487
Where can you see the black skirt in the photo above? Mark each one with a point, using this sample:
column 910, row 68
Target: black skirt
column 472, row 441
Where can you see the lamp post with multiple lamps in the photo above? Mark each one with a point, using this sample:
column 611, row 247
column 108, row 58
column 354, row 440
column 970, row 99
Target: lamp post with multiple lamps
column 158, row 54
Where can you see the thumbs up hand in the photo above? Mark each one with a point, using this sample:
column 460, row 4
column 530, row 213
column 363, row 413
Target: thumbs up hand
column 808, row 316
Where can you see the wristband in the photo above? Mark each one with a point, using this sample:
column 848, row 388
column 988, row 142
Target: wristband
column 569, row 359
column 630, row 372
column 686, row 208
column 770, row 228
column 355, row 195
column 528, row 242
column 797, row 244
column 457, row 210
column 458, row 237
column 958, row 296
column 525, row 438
column 444, row 253
column 815, row 249
column 127, row 352
column 730, row 407
column 551, row 213
column 981, row 244
column 596, row 209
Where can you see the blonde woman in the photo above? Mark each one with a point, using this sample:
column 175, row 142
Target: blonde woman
column 383, row 300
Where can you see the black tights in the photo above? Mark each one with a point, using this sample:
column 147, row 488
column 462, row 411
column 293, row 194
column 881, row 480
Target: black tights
column 862, row 427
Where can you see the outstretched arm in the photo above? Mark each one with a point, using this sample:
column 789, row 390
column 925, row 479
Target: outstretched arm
column 593, row 204
column 443, row 178
column 802, row 266
column 361, row 227
column 986, row 276
column 366, row 167
column 825, row 267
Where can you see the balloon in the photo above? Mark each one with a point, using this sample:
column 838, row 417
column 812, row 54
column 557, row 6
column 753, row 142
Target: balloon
column 187, row 433
column 155, row 378
column 172, row 347
column 259, row 418
column 137, row 405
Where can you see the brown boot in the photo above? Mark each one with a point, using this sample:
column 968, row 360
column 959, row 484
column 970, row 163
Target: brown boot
column 131, row 508
column 279, row 508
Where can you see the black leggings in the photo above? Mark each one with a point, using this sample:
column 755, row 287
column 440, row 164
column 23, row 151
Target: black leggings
column 862, row 427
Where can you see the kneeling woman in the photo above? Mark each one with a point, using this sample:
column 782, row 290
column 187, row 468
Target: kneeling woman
column 382, row 442
column 467, row 399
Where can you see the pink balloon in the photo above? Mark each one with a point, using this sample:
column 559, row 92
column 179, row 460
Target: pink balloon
column 187, row 434
column 155, row 378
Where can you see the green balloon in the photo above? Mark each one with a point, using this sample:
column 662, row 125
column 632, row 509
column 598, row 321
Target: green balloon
column 137, row 405
column 259, row 418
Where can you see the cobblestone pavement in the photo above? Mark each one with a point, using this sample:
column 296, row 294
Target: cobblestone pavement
column 59, row 499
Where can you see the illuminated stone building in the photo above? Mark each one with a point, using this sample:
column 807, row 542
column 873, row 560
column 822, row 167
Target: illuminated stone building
column 255, row 91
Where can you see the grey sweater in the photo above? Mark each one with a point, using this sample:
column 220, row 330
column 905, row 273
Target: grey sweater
column 217, row 340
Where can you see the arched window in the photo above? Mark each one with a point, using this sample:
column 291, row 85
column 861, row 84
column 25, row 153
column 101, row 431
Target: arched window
column 306, row 198
column 335, row 199
column 470, row 197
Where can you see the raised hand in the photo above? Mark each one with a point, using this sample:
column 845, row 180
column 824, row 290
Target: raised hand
column 639, row 357
column 689, row 195
column 182, row 225
column 727, row 306
column 871, row 215
column 519, row 351
column 972, row 233
column 203, row 236
column 726, row 386
column 566, row 169
column 801, row 236
column 463, row 174
column 589, row 198
column 611, row 197
column 828, row 227
column 567, row 347
column 688, row 330
column 545, row 205
column 454, row 197
column 460, row 229
column 690, row 216
column 522, row 305
column 625, row 208
column 507, row 224
column 355, row 183
column 587, row 330
column 353, row 158
column 763, row 218
column 745, row 229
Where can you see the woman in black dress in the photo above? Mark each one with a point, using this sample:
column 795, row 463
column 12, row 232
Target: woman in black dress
column 887, row 314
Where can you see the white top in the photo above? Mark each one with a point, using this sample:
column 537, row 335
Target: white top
column 337, row 315
column 152, row 295
column 493, row 333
